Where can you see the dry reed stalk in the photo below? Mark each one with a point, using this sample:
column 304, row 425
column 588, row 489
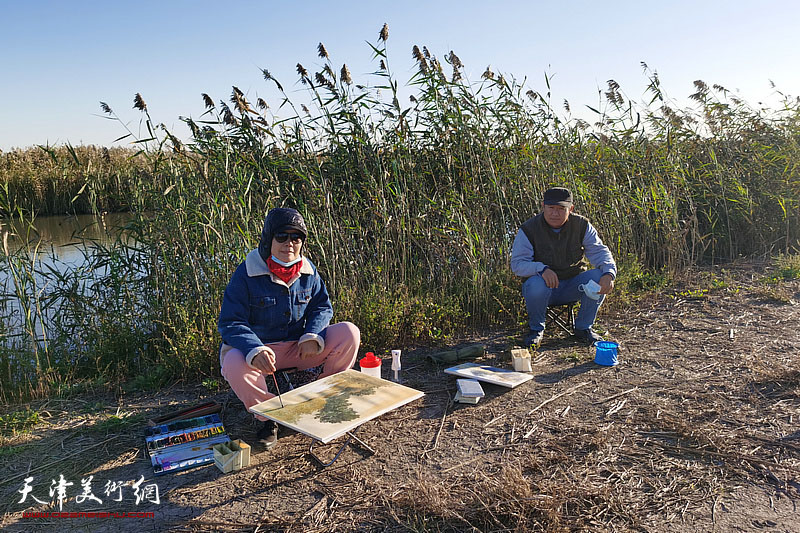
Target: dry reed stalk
column 557, row 396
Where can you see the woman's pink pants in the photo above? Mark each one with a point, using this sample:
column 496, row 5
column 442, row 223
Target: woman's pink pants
column 249, row 385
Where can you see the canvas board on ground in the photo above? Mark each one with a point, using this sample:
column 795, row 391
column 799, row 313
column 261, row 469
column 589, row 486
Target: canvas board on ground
column 489, row 374
column 332, row 406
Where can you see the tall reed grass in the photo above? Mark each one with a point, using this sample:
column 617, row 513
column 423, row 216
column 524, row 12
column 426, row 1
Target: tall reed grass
column 412, row 206
column 55, row 180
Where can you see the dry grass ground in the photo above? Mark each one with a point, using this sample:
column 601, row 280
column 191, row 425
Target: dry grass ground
column 695, row 430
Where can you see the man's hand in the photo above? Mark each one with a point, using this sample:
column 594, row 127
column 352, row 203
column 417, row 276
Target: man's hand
column 308, row 348
column 265, row 361
column 550, row 278
column 606, row 284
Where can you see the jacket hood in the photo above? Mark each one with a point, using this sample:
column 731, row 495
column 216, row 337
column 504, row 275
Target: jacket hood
column 279, row 219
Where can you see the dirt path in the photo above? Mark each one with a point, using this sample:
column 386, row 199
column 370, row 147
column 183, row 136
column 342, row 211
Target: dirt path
column 696, row 430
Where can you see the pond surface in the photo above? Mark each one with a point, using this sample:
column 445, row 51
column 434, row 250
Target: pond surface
column 34, row 255
column 63, row 237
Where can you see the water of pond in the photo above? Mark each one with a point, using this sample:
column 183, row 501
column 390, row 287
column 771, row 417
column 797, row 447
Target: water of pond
column 62, row 237
column 55, row 244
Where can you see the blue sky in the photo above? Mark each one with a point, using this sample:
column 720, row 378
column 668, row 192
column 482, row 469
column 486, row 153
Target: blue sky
column 60, row 59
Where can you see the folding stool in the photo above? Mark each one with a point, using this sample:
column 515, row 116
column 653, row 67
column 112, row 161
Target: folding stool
column 563, row 315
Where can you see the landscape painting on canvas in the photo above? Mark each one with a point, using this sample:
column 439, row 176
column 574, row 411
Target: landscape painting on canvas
column 332, row 406
column 489, row 374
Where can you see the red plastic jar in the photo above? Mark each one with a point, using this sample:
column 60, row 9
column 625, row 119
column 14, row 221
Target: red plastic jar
column 371, row 365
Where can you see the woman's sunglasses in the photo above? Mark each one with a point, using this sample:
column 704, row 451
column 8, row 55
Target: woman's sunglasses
column 295, row 237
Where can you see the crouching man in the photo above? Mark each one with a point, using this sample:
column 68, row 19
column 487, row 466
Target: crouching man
column 550, row 252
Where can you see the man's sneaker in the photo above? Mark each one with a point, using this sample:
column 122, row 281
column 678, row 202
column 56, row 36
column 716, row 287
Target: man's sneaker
column 587, row 335
column 267, row 436
column 533, row 338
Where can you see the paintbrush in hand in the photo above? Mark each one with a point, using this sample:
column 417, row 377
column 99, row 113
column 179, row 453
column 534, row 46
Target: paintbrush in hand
column 277, row 388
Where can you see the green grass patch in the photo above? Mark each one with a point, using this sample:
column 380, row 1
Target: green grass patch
column 212, row 385
column 155, row 379
column 692, row 293
column 10, row 451
column 576, row 356
column 118, row 423
column 19, row 422
column 787, row 267
column 82, row 387
column 635, row 278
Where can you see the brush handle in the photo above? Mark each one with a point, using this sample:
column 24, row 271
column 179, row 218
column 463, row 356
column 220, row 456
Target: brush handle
column 277, row 389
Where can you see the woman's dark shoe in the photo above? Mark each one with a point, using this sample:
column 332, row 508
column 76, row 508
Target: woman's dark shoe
column 267, row 436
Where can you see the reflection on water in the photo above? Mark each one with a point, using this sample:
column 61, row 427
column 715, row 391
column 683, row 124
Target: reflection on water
column 51, row 247
column 62, row 237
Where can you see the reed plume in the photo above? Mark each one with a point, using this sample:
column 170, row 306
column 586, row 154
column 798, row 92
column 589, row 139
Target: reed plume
column 227, row 115
column 269, row 77
column 138, row 103
column 303, row 74
column 455, row 61
column 423, row 63
column 238, row 100
column 321, row 80
column 345, row 75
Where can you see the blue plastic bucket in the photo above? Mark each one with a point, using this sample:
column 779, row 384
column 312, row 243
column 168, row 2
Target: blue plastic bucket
column 606, row 353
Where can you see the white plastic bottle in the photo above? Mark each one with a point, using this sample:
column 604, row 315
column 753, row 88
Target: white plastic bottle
column 396, row 366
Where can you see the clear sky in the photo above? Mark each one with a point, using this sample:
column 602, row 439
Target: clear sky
column 59, row 59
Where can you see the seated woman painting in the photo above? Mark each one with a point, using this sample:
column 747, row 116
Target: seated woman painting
column 275, row 315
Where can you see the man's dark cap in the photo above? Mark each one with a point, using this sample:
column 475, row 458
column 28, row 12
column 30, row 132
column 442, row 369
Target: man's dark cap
column 558, row 196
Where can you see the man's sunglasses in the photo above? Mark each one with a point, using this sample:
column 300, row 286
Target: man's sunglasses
column 295, row 237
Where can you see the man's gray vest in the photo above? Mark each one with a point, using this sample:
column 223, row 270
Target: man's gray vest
column 562, row 251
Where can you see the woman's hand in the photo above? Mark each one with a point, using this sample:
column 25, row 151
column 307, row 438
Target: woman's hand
column 308, row 348
column 265, row 361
